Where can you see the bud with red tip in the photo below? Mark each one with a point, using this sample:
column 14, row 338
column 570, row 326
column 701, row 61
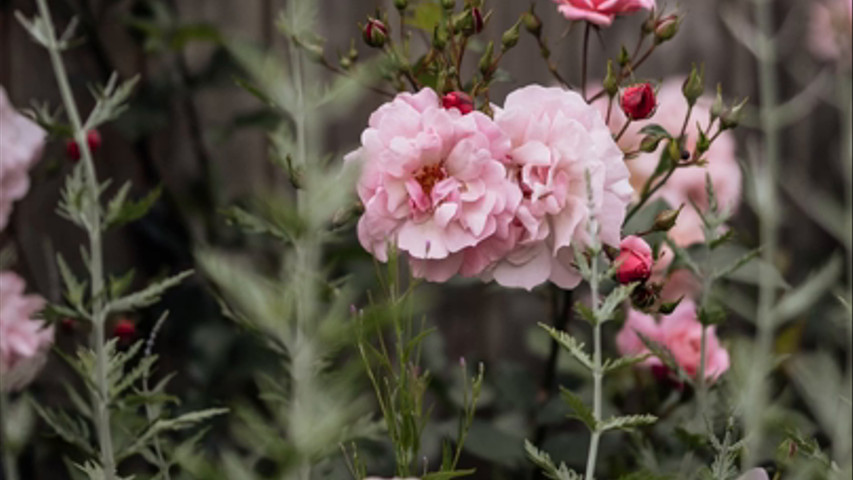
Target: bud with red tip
column 478, row 22
column 125, row 330
column 666, row 28
column 93, row 138
column 638, row 101
column 375, row 33
column 458, row 100
column 635, row 260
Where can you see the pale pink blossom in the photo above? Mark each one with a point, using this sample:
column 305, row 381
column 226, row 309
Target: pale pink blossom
column 601, row 12
column 21, row 142
column 687, row 185
column 434, row 185
column 24, row 341
column 755, row 474
column 681, row 333
column 557, row 140
column 831, row 29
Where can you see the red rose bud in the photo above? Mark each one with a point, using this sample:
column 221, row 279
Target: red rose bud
column 125, row 330
column 458, row 100
column 93, row 138
column 635, row 260
column 479, row 22
column 375, row 33
column 638, row 101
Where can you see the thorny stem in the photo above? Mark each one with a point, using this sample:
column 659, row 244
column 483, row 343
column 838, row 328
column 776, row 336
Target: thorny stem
column 597, row 373
column 10, row 463
column 100, row 398
column 767, row 201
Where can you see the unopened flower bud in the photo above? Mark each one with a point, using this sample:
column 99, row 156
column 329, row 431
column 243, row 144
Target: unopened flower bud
column 624, row 57
column 532, row 23
column 719, row 106
column 511, row 36
column 650, row 23
column 439, row 37
column 635, row 260
column 732, row 116
column 93, row 138
column 375, row 33
column 666, row 28
column 125, row 330
column 486, row 59
column 694, row 85
column 448, row 4
column 638, row 101
column 665, row 220
column 401, row 4
column 703, row 143
column 478, row 22
column 611, row 80
column 645, row 296
column 458, row 100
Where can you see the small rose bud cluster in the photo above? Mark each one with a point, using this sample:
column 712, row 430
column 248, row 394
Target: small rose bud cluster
column 93, row 139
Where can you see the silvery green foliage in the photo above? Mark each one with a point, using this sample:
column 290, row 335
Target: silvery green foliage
column 107, row 424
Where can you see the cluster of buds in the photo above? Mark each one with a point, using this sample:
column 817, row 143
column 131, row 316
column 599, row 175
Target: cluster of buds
column 72, row 150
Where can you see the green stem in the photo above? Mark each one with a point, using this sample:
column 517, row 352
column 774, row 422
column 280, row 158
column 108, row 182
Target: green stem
column 767, row 206
column 100, row 398
column 10, row 462
column 597, row 372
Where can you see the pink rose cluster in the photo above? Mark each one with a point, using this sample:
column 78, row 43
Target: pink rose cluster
column 831, row 29
column 24, row 341
column 681, row 333
column 21, row 143
column 504, row 198
column 601, row 12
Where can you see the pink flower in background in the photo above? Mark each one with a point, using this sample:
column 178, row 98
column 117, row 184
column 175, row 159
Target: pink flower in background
column 681, row 333
column 635, row 260
column 831, row 29
column 434, row 185
column 24, row 341
column 755, row 474
column 21, row 143
column 601, row 12
column 557, row 139
column 688, row 183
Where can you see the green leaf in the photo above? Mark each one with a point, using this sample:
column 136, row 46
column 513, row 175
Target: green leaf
column 73, row 430
column 74, row 289
column 119, row 285
column 582, row 412
column 448, row 475
column 121, row 211
column 569, row 343
column 194, row 32
column 149, row 295
column 611, row 365
column 627, row 422
column 613, row 300
column 544, row 462
column 110, row 101
column 253, row 224
column 181, row 422
column 425, row 16
column 809, row 292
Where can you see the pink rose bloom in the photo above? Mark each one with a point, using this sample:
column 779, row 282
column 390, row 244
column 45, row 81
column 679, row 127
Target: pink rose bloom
column 24, row 341
column 687, row 183
column 21, row 142
column 557, row 139
column 601, row 12
column 831, row 29
column 681, row 333
column 434, row 185
column 635, row 260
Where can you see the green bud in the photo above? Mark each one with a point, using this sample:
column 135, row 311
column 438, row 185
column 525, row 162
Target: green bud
column 731, row 117
column 439, row 37
column 673, row 151
column 353, row 52
column 694, row 85
column 666, row 28
column 665, row 220
column 448, row 4
column 668, row 307
column 401, row 4
column 624, row 57
column 719, row 106
column 511, row 36
column 487, row 59
column 611, row 80
column 703, row 143
column 650, row 143
column 346, row 63
column 532, row 23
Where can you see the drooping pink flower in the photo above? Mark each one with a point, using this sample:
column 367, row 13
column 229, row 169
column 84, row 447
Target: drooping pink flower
column 635, row 260
column 557, row 140
column 687, row 185
column 21, row 142
column 434, row 185
column 601, row 12
column 831, row 29
column 681, row 333
column 24, row 341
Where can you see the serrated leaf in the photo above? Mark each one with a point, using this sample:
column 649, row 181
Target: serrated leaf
column 611, row 365
column 122, row 211
column 655, row 130
column 253, row 224
column 582, row 412
column 627, row 422
column 74, row 431
column 75, row 290
column 110, row 101
column 182, row 422
column 569, row 343
column 119, row 285
column 737, row 264
column 613, row 300
column 544, row 462
column 147, row 296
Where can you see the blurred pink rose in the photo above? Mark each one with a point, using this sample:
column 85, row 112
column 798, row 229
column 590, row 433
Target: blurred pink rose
column 635, row 260
column 557, row 139
column 681, row 333
column 21, row 143
column 24, row 341
column 686, row 184
column 831, row 29
column 434, row 185
column 601, row 12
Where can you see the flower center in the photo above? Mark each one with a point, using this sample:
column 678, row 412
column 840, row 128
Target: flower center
column 430, row 175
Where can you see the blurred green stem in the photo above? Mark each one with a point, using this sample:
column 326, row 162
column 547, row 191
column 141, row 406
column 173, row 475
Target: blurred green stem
column 10, row 462
column 767, row 201
column 100, row 398
column 597, row 372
